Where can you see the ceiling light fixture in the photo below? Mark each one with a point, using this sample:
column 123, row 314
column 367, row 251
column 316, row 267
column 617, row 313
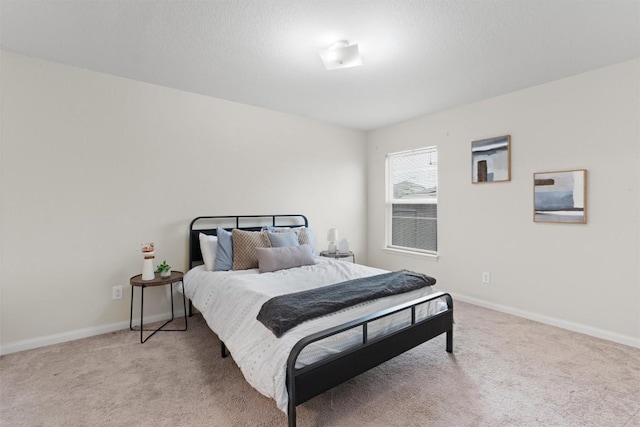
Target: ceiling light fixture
column 341, row 55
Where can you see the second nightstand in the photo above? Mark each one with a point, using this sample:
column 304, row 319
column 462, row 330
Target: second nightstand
column 339, row 255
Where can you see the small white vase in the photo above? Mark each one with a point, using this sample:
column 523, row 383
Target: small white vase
column 165, row 274
column 343, row 246
column 148, row 270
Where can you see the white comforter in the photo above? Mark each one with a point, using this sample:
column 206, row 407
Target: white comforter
column 231, row 300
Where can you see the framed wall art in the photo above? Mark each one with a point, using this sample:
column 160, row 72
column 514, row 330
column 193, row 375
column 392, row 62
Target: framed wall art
column 491, row 160
column 560, row 196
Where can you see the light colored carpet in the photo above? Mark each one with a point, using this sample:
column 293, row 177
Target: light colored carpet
column 505, row 371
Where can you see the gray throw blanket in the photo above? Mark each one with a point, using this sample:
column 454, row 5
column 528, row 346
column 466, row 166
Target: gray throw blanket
column 284, row 312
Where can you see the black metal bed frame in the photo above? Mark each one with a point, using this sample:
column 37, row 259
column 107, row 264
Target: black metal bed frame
column 195, row 255
column 312, row 380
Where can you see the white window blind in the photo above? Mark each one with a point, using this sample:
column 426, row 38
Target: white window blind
column 412, row 200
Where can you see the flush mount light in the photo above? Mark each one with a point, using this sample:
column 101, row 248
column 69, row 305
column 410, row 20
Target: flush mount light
column 341, row 55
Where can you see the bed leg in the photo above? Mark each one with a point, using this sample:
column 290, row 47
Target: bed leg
column 190, row 309
column 450, row 341
column 223, row 350
column 291, row 414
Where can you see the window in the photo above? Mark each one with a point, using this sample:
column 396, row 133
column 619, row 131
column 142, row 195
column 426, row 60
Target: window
column 412, row 201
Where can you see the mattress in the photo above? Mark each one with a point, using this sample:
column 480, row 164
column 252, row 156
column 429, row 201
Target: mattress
column 230, row 301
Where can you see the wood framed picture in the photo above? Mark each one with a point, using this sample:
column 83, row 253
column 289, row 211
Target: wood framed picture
column 491, row 159
column 560, row 196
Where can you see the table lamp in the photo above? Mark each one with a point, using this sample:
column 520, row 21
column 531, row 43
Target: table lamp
column 332, row 238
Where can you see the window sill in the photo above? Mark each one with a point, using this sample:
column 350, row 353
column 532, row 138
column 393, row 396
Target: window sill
column 422, row 255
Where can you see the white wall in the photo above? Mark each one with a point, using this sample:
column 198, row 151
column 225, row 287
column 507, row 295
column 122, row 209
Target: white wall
column 582, row 277
column 93, row 165
column 85, row 158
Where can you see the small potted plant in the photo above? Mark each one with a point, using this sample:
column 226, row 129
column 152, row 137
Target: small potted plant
column 164, row 269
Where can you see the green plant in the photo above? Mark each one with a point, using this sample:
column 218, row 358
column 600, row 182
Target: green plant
column 163, row 267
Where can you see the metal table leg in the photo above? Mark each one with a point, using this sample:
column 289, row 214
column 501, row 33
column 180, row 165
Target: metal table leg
column 143, row 340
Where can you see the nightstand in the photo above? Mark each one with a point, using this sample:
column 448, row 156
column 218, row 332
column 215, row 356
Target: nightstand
column 137, row 282
column 339, row 255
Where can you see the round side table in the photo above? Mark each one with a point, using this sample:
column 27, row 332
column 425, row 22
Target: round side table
column 339, row 255
column 137, row 282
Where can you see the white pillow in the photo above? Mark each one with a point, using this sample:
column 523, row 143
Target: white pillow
column 209, row 249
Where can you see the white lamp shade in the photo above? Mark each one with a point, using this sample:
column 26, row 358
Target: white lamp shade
column 332, row 235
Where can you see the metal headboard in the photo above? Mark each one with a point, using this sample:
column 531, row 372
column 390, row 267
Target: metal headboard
column 209, row 224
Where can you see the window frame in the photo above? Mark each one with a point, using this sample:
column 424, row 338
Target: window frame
column 390, row 201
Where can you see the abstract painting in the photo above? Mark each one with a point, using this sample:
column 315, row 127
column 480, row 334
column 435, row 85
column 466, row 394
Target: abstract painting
column 491, row 159
column 560, row 196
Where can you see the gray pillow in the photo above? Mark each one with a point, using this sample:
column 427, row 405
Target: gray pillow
column 273, row 259
column 279, row 240
column 305, row 234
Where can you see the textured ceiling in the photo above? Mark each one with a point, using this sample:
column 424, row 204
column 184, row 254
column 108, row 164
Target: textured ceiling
column 419, row 56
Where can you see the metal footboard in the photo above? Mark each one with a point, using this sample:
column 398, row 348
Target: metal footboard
column 309, row 381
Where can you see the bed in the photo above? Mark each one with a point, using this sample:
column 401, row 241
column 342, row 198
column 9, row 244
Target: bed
column 320, row 353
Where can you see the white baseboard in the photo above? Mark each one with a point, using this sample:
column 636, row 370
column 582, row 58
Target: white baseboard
column 77, row 334
column 575, row 327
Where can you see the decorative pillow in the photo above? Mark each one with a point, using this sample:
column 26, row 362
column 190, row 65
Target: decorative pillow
column 279, row 240
column 224, row 256
column 244, row 247
column 305, row 235
column 273, row 259
column 273, row 229
column 208, row 248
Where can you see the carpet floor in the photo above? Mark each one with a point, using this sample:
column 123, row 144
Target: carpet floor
column 505, row 371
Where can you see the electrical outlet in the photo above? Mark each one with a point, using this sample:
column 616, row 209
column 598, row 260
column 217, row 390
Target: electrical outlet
column 486, row 277
column 116, row 292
